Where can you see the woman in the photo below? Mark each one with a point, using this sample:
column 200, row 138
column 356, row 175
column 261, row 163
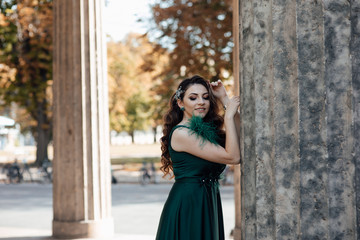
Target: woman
column 196, row 149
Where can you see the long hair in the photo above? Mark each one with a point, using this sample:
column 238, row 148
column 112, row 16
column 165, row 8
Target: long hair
column 174, row 116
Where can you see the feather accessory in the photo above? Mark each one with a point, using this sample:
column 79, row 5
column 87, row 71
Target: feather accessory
column 205, row 130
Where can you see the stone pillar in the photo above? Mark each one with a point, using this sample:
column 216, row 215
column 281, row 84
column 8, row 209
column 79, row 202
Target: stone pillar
column 300, row 87
column 236, row 75
column 82, row 178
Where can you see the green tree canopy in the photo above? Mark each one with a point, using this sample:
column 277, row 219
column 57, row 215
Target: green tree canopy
column 137, row 113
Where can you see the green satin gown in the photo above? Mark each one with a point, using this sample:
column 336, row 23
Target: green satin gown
column 193, row 209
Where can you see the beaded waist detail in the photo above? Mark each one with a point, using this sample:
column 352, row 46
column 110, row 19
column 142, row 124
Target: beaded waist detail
column 205, row 180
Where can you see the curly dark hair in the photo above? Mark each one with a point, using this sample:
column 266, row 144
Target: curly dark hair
column 174, row 116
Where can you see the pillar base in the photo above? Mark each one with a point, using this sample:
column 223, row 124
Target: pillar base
column 103, row 229
column 237, row 233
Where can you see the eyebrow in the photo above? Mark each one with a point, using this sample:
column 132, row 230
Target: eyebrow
column 198, row 94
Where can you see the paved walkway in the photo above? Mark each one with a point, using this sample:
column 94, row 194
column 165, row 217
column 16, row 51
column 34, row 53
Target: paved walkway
column 26, row 210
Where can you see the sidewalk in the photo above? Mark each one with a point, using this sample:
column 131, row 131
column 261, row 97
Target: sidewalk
column 38, row 234
column 26, row 210
column 121, row 176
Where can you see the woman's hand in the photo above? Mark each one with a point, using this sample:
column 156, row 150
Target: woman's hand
column 220, row 91
column 232, row 107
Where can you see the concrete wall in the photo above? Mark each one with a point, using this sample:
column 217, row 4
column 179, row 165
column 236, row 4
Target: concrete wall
column 300, row 89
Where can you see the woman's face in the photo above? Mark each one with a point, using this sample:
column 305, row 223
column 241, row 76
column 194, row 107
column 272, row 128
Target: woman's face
column 196, row 101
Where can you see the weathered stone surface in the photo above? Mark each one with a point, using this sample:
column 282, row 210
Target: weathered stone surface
column 264, row 120
column 300, row 89
column 342, row 211
column 355, row 57
column 286, row 137
column 313, row 153
column 248, row 113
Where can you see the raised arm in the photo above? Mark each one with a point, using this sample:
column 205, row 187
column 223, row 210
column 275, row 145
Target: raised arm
column 221, row 94
column 183, row 141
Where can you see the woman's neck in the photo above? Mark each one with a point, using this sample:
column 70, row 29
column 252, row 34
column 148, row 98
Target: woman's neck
column 184, row 121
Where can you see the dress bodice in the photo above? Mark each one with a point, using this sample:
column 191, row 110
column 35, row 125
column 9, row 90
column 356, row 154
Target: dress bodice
column 186, row 165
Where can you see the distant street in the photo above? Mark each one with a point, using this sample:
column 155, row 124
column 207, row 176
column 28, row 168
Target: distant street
column 26, row 209
column 28, row 153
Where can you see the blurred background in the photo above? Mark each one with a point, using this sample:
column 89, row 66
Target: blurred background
column 151, row 46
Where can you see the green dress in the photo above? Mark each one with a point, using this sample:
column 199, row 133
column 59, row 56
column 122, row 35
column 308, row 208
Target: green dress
column 193, row 209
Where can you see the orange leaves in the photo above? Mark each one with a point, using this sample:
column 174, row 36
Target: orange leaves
column 27, row 51
column 3, row 22
column 196, row 30
column 35, row 19
column 7, row 76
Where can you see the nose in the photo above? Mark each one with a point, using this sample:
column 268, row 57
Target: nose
column 201, row 101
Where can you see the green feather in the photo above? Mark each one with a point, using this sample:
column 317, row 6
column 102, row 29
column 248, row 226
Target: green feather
column 206, row 131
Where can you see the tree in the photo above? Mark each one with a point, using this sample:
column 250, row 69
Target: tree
column 198, row 34
column 121, row 65
column 161, row 93
column 26, row 47
column 154, row 63
column 196, row 37
column 138, row 116
column 131, row 103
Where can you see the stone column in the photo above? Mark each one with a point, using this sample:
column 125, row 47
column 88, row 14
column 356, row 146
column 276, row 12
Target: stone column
column 300, row 87
column 236, row 75
column 82, row 178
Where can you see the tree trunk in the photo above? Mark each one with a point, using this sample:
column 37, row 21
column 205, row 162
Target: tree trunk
column 42, row 142
column 43, row 134
column 154, row 131
column 132, row 137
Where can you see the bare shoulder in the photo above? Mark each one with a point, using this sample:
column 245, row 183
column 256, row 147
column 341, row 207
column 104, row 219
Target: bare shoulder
column 180, row 134
column 180, row 138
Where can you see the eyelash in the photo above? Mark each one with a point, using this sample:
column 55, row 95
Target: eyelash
column 193, row 99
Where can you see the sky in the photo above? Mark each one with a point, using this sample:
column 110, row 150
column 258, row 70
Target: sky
column 120, row 17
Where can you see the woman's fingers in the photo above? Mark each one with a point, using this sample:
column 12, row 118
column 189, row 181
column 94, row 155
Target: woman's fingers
column 237, row 99
column 217, row 83
column 234, row 103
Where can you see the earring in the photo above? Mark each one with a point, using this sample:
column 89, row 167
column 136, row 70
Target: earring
column 182, row 109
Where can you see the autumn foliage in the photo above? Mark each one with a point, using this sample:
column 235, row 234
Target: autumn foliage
column 132, row 102
column 198, row 36
column 186, row 37
column 26, row 64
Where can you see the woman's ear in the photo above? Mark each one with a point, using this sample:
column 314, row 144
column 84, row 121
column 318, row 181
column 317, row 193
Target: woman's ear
column 180, row 103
